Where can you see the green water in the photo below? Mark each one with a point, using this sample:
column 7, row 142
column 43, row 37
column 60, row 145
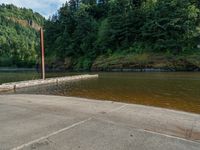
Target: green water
column 179, row 91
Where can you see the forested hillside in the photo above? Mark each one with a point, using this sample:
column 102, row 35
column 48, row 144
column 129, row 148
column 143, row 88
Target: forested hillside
column 19, row 37
column 116, row 34
column 105, row 35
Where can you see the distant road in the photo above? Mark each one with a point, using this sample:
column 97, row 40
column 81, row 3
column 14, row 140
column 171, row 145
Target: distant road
column 65, row 123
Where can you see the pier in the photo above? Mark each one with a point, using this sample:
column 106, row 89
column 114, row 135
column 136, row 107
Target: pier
column 24, row 84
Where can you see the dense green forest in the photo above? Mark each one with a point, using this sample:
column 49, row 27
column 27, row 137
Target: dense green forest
column 19, row 37
column 105, row 34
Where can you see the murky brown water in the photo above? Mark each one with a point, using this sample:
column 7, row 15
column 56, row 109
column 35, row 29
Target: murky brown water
column 169, row 90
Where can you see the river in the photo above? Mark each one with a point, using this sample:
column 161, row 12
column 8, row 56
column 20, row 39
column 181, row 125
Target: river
column 180, row 90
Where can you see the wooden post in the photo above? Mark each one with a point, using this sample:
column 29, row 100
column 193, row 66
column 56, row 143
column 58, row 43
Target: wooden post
column 42, row 53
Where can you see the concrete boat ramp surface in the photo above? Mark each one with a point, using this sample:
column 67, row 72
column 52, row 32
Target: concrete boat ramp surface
column 35, row 122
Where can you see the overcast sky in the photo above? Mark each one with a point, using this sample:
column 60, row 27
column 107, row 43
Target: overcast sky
column 44, row 7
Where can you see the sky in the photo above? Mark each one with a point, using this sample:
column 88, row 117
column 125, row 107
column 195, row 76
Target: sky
column 44, row 7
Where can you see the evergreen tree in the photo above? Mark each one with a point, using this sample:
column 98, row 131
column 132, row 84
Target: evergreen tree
column 85, row 29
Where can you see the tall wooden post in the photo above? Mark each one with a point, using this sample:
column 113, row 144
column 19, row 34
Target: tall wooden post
column 42, row 53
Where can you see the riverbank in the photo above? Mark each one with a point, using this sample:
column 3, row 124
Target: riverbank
column 147, row 62
column 124, row 61
column 63, row 123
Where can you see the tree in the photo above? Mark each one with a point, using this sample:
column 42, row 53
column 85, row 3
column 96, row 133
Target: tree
column 170, row 24
column 18, row 40
column 83, row 30
column 74, row 4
